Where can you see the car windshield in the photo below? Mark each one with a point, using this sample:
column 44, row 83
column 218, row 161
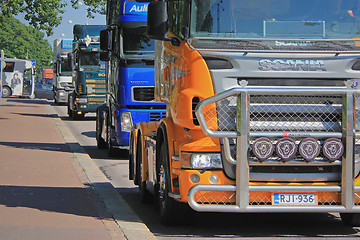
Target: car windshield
column 277, row 19
column 135, row 42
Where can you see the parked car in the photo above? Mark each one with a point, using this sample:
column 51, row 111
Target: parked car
column 44, row 91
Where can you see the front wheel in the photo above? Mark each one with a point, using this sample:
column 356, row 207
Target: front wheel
column 350, row 219
column 112, row 152
column 171, row 212
column 101, row 144
column 145, row 195
column 6, row 92
column 69, row 111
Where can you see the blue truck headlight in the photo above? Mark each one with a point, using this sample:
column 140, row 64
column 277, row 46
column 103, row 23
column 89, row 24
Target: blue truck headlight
column 201, row 160
column 126, row 121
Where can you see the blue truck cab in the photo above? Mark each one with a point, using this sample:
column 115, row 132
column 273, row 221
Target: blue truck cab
column 88, row 71
column 129, row 75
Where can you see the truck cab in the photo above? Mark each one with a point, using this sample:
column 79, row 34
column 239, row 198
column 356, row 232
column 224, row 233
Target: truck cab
column 130, row 75
column 62, row 81
column 88, row 71
column 262, row 108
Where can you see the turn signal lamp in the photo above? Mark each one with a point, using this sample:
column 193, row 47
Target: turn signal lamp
column 126, row 121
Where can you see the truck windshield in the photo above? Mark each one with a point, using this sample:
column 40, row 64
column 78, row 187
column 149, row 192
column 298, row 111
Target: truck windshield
column 91, row 61
column 65, row 67
column 135, row 42
column 276, row 19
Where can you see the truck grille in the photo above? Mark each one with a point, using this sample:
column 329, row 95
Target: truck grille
column 285, row 113
column 157, row 116
column 143, row 94
column 66, row 84
column 318, row 117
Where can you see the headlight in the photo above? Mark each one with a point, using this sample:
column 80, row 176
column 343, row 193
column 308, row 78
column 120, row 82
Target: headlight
column 61, row 93
column 81, row 100
column 201, row 160
column 126, row 122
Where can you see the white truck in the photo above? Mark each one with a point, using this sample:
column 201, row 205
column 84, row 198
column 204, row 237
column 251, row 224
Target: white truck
column 62, row 82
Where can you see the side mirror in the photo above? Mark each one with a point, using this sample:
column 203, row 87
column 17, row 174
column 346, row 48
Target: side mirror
column 104, row 40
column 104, row 56
column 157, row 27
column 55, row 67
column 70, row 61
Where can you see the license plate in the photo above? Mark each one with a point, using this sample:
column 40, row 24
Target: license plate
column 294, row 199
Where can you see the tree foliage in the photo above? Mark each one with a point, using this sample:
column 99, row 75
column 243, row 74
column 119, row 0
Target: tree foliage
column 24, row 42
column 93, row 6
column 47, row 14
column 41, row 14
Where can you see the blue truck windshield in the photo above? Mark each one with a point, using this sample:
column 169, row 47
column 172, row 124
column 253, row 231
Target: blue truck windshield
column 135, row 42
column 285, row 19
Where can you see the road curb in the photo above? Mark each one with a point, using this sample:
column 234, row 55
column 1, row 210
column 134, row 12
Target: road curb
column 128, row 221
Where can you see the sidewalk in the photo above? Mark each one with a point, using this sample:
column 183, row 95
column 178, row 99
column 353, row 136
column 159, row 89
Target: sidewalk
column 43, row 192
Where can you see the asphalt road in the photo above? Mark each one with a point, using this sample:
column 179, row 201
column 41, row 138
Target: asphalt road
column 205, row 225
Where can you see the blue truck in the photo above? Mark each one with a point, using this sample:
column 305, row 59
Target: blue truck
column 129, row 54
column 88, row 71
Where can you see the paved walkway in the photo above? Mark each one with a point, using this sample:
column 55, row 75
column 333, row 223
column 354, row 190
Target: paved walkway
column 43, row 192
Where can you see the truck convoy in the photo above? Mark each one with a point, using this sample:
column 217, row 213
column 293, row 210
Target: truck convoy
column 47, row 75
column 88, row 71
column 130, row 75
column 18, row 78
column 62, row 81
column 263, row 108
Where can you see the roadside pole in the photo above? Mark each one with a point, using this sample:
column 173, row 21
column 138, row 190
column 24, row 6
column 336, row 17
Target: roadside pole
column 2, row 64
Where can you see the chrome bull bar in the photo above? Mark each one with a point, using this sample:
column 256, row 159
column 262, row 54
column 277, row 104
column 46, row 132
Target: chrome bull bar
column 242, row 134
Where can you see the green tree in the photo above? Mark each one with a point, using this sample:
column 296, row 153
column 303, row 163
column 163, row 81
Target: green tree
column 93, row 6
column 41, row 14
column 24, row 42
column 46, row 14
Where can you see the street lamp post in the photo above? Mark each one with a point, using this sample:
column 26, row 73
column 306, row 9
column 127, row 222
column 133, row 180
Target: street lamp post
column 2, row 64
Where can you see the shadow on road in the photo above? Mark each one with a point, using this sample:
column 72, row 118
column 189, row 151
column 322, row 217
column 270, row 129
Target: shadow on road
column 91, row 134
column 86, row 118
column 37, row 115
column 96, row 153
column 58, row 147
column 241, row 225
column 72, row 200
column 29, row 101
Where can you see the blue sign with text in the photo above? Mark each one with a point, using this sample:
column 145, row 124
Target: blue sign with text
column 135, row 8
column 66, row 44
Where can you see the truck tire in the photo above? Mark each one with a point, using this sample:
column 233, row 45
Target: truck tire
column 144, row 194
column 171, row 212
column 131, row 158
column 100, row 142
column 112, row 152
column 69, row 112
column 350, row 219
column 6, row 92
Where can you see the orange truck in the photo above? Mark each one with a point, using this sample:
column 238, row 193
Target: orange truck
column 47, row 75
column 263, row 109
